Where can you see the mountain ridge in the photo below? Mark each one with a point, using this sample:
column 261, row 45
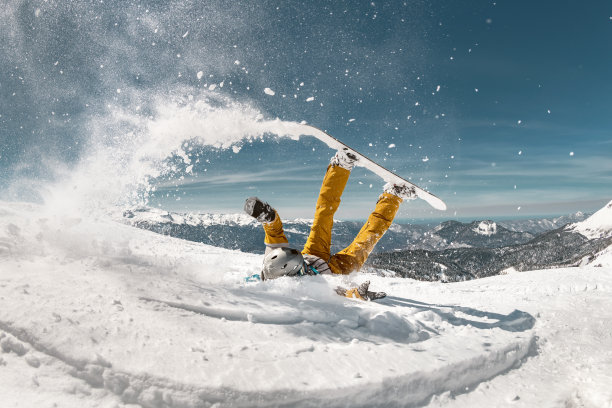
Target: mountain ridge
column 239, row 231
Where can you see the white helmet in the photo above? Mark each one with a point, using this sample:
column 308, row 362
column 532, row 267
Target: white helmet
column 282, row 262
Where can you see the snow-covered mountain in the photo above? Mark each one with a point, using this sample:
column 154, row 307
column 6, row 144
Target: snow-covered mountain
column 239, row 231
column 481, row 234
column 95, row 313
column 598, row 225
column 451, row 251
column 539, row 225
column 587, row 242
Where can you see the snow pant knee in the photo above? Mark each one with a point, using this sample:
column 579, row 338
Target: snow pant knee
column 354, row 256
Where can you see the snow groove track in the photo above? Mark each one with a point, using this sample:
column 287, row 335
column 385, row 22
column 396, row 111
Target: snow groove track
column 149, row 391
column 237, row 315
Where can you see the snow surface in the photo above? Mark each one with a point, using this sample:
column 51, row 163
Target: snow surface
column 598, row 225
column 603, row 258
column 156, row 215
column 94, row 313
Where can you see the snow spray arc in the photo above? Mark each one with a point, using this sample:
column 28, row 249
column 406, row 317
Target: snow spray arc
column 130, row 146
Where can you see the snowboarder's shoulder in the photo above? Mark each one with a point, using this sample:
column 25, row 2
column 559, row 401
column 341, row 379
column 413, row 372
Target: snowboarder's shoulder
column 319, row 264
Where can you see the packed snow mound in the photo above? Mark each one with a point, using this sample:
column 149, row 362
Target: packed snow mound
column 598, row 225
column 95, row 309
column 486, row 227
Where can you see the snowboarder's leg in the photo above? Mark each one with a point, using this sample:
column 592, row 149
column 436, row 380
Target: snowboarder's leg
column 354, row 256
column 319, row 240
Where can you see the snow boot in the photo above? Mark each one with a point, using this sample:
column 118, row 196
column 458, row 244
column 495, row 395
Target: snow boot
column 360, row 292
column 403, row 191
column 259, row 210
column 344, row 158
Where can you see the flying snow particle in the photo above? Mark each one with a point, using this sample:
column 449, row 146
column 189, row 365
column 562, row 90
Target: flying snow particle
column 118, row 90
column 310, row 99
column 425, row 159
column 476, row 90
column 352, row 120
column 392, row 145
column 212, row 87
column 489, row 20
column 518, row 208
column 520, row 152
column 186, row 34
column 519, row 122
column 270, row 92
column 416, row 104
column 548, row 111
column 37, row 12
column 438, row 88
column 236, row 62
column 189, row 168
column 200, row 74
column 571, row 153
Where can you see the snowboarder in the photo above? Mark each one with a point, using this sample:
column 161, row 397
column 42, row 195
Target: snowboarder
column 316, row 258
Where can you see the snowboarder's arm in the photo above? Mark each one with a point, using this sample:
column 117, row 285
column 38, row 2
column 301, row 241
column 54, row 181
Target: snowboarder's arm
column 270, row 220
column 275, row 235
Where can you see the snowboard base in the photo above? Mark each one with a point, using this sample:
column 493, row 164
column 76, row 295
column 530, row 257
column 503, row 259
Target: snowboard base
column 364, row 161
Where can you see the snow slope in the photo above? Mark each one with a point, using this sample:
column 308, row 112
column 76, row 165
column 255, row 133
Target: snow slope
column 94, row 313
column 598, row 225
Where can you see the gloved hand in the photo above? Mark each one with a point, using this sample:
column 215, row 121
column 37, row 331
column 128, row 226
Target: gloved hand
column 360, row 292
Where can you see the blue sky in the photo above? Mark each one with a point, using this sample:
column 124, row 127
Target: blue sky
column 500, row 108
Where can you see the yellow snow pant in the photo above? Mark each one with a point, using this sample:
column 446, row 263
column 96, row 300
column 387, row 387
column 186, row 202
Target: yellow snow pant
column 354, row 256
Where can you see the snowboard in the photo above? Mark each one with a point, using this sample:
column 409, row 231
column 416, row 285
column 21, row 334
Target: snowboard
column 364, row 161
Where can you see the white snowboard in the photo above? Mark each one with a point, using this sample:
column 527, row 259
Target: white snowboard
column 374, row 167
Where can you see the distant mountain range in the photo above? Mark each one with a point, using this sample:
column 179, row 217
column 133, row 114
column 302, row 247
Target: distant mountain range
column 241, row 232
column 450, row 251
column 571, row 245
